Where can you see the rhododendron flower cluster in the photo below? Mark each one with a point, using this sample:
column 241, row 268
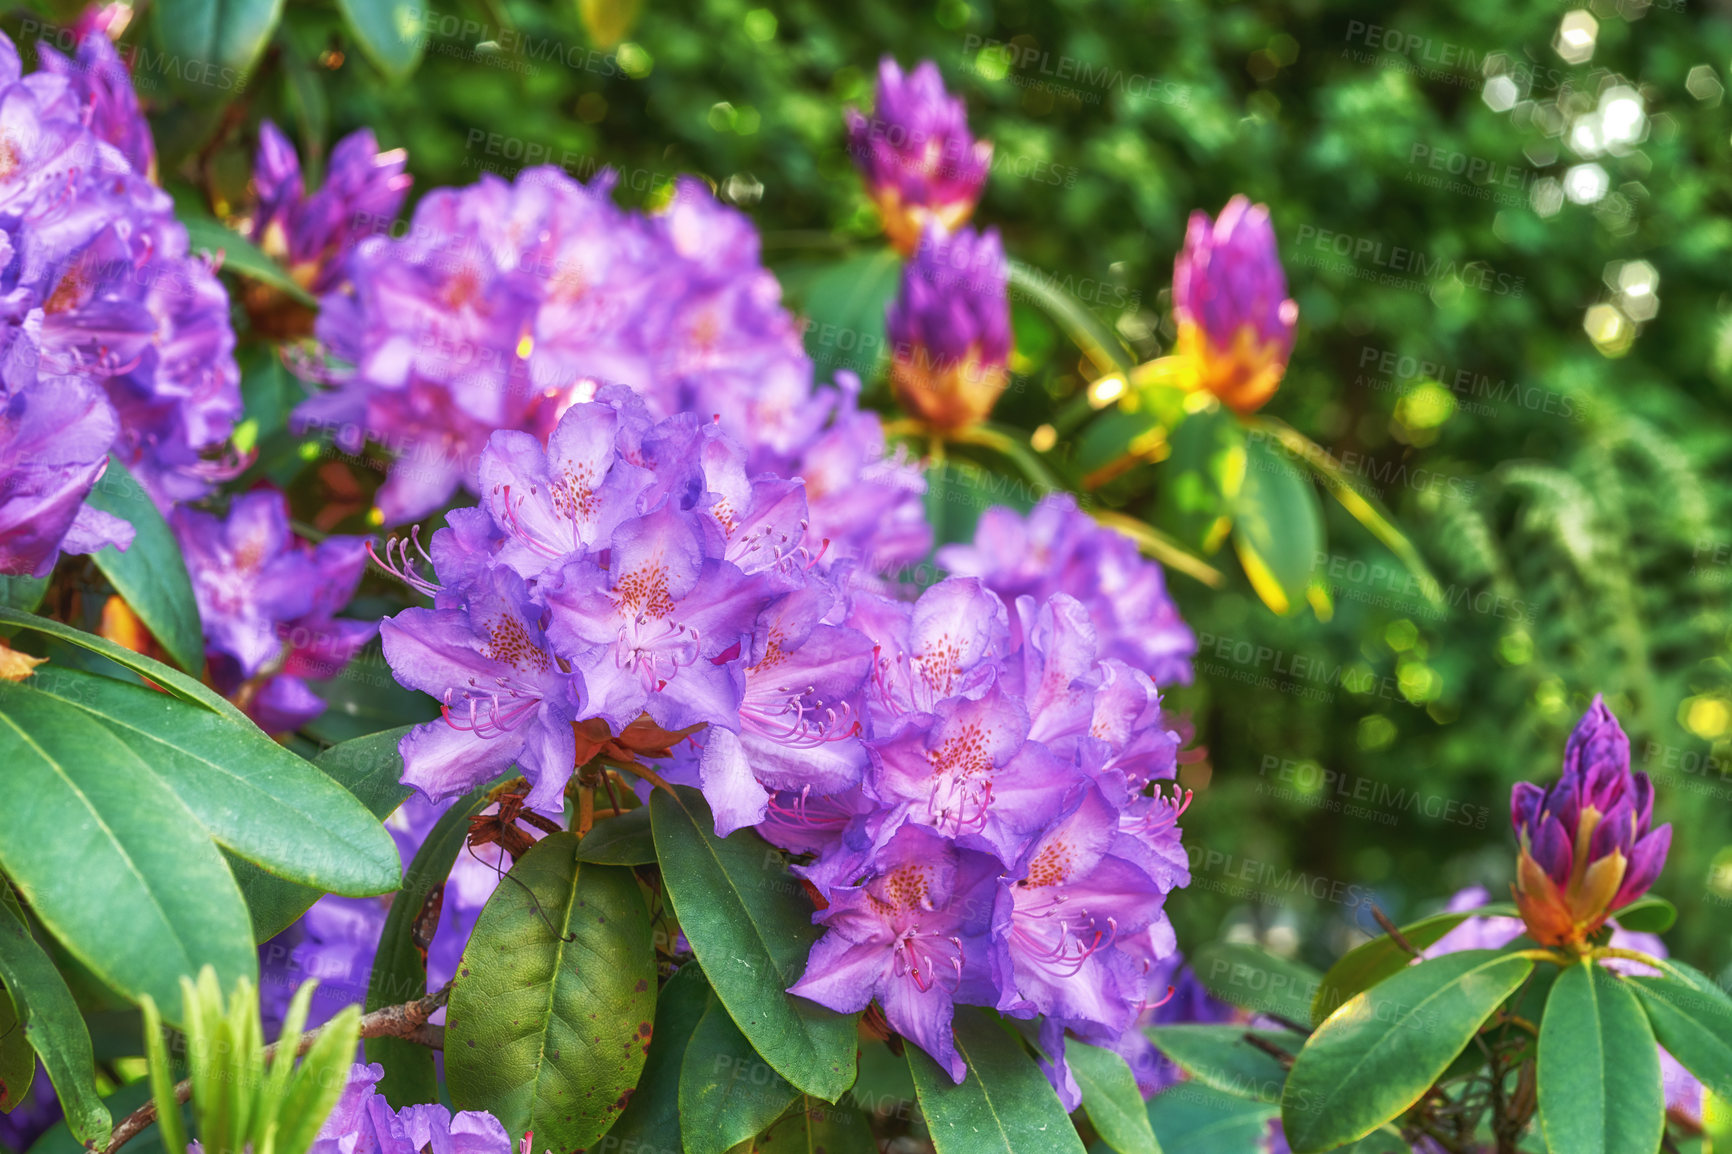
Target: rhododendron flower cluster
column 978, row 787
column 112, row 338
column 505, row 304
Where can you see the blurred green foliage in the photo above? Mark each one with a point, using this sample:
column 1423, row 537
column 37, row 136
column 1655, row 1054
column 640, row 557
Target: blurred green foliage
column 1570, row 494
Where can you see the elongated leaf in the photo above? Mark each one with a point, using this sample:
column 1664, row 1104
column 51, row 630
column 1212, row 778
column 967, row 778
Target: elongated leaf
column 1254, row 979
column 393, row 33
column 1111, row 1099
column 115, row 865
column 623, row 840
column 22, row 593
column 400, row 969
column 750, row 924
column 551, row 1012
column 51, row 1023
column 1192, row 1119
column 1695, row 1028
column 652, row 1117
column 1366, row 965
column 17, row 1059
column 1004, row 1106
column 1220, row 1056
column 169, row 678
column 368, row 767
column 1096, row 341
column 1277, row 526
column 215, row 41
column 255, row 797
column 843, row 304
column 727, row 1092
column 1381, row 1051
column 814, row 1126
column 239, row 255
column 151, row 575
column 1599, row 1073
column 1649, row 915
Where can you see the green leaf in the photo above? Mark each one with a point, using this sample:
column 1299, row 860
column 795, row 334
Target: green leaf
column 151, row 575
column 393, row 33
column 1694, row 1026
column 1599, row 1073
column 1254, row 979
column 1111, row 1099
column 816, row 1127
column 113, row 863
column 167, row 677
column 1366, row 965
column 750, row 924
column 1096, row 341
column 727, row 1092
column 255, row 797
column 368, row 767
column 216, row 41
column 57, row 1139
column 1381, row 1051
column 1649, row 915
column 843, row 303
column 624, row 839
column 51, row 1023
column 1277, row 526
column 1004, row 1106
column 399, row 967
column 652, row 1117
column 1220, row 1056
column 239, row 255
column 1192, row 1119
column 551, row 1011
column 22, row 593
column 17, row 1059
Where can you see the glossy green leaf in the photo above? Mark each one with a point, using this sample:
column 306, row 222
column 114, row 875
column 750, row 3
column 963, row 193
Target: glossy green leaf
column 399, row 966
column 1004, row 1106
column 1366, row 965
column 1096, row 341
column 255, row 797
column 1111, row 1099
column 1599, row 1073
column 216, row 41
column 22, row 593
column 551, row 1012
column 1380, row 1052
column 814, row 1126
column 17, row 1059
column 750, row 924
column 1277, row 526
column 1192, row 1119
column 239, row 255
column 843, row 304
column 393, row 33
column 727, row 1092
column 165, row 676
column 368, row 767
column 113, row 863
column 1694, row 1026
column 1220, row 1056
column 1254, row 979
column 1648, row 915
column 50, row 1021
column 652, row 1117
column 624, row 839
column 151, row 575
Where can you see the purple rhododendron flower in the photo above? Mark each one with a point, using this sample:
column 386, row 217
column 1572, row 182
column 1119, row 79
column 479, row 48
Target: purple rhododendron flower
column 1586, row 845
column 1236, row 322
column 100, row 87
column 1057, row 548
column 313, row 233
column 269, row 603
column 920, row 165
column 504, row 305
column 53, row 447
column 950, row 328
column 364, row 1123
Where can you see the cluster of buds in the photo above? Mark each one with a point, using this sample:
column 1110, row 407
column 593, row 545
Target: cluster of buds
column 1587, row 849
